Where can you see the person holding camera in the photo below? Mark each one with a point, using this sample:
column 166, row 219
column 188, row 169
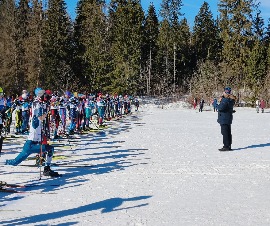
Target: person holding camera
column 225, row 117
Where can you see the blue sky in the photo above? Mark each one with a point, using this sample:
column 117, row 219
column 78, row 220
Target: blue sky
column 190, row 8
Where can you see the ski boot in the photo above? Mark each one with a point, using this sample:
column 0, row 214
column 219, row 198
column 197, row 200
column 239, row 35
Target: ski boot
column 50, row 173
column 2, row 184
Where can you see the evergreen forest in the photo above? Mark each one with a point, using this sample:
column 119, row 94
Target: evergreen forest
column 117, row 47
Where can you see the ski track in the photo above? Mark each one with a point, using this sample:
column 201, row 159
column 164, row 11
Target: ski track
column 155, row 167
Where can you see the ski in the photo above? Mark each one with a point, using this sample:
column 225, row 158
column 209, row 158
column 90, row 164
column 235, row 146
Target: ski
column 4, row 184
column 8, row 190
column 61, row 165
column 72, row 165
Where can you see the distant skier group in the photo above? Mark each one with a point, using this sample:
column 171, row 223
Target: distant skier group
column 260, row 104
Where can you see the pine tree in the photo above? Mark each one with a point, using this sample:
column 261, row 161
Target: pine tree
column 256, row 62
column 150, row 47
column 205, row 35
column 34, row 44
column 185, row 66
column 57, row 48
column 7, row 46
column 126, row 20
column 22, row 35
column 235, row 24
column 91, row 44
column 168, row 43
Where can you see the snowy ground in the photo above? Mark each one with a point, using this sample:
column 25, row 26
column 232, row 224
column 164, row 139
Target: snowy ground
column 155, row 167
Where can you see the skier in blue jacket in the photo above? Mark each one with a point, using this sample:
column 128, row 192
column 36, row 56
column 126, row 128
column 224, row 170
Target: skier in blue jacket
column 225, row 117
column 36, row 141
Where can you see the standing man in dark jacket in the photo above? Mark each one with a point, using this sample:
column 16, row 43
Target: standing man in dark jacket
column 225, row 117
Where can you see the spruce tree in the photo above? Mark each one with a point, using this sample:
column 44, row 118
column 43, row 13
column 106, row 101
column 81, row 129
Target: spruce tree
column 33, row 43
column 126, row 20
column 256, row 62
column 205, row 35
column 236, row 24
column 185, row 66
column 57, row 47
column 150, row 47
column 8, row 46
column 22, row 35
column 169, row 44
column 92, row 45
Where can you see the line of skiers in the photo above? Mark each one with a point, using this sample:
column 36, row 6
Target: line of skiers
column 46, row 115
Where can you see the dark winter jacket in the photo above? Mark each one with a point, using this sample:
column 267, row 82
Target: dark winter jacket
column 225, row 110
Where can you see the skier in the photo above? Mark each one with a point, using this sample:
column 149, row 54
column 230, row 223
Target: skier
column 80, row 114
column 8, row 114
column 101, row 106
column 137, row 104
column 257, row 105
column 2, row 116
column 55, row 118
column 195, row 102
column 73, row 102
column 36, row 141
column 63, row 115
column 201, row 105
column 215, row 103
column 89, row 111
column 262, row 105
column 125, row 104
column 25, row 112
column 225, row 117
column 18, row 114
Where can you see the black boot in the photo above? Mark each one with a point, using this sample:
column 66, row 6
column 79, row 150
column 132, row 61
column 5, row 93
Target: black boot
column 50, row 173
column 225, row 149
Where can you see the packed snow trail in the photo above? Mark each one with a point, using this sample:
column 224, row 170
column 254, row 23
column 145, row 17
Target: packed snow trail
column 155, row 167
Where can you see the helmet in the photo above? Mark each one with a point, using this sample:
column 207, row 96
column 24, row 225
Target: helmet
column 68, row 93
column 1, row 90
column 37, row 90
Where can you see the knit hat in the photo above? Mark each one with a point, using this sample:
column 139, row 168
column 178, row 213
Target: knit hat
column 24, row 96
column 227, row 90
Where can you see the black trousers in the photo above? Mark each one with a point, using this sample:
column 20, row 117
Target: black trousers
column 1, row 138
column 227, row 135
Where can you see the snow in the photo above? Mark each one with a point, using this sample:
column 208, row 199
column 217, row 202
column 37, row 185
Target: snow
column 158, row 166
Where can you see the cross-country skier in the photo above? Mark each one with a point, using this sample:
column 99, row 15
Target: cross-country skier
column 25, row 111
column 258, row 103
column 201, row 105
column 137, row 104
column 2, row 115
column 55, row 117
column 73, row 102
column 262, row 105
column 36, row 141
column 101, row 106
column 63, row 115
column 18, row 114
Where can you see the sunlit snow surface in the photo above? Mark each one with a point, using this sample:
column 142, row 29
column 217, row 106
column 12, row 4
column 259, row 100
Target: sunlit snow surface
column 158, row 166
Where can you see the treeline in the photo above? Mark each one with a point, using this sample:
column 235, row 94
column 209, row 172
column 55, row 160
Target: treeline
column 117, row 47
